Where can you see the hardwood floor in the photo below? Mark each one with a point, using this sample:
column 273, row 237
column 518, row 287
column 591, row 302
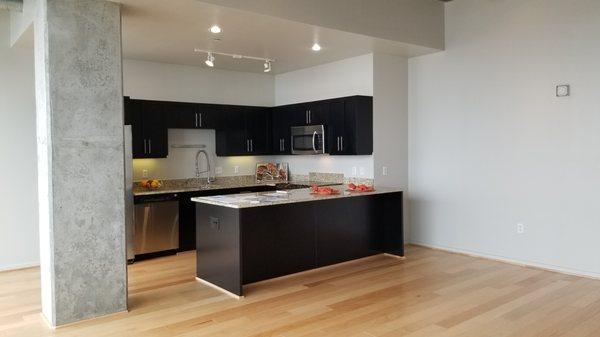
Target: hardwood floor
column 431, row 293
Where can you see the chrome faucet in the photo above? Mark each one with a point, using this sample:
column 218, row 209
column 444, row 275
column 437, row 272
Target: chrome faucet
column 209, row 179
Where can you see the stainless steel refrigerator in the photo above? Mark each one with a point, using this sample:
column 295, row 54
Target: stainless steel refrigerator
column 129, row 208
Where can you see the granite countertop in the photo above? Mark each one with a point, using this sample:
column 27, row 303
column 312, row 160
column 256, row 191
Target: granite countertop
column 194, row 185
column 247, row 200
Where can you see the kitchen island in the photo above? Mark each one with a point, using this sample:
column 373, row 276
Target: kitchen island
column 246, row 238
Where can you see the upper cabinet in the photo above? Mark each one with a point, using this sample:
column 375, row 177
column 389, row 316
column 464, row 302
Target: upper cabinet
column 191, row 115
column 148, row 127
column 351, row 126
column 248, row 130
column 244, row 131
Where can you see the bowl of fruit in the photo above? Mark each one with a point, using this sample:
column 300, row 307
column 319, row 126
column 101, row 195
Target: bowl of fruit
column 360, row 188
column 152, row 184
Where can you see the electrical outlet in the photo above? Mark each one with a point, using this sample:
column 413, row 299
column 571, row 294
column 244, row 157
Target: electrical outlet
column 361, row 170
column 520, row 228
column 218, row 170
column 144, row 173
column 384, row 170
column 354, row 170
column 236, row 169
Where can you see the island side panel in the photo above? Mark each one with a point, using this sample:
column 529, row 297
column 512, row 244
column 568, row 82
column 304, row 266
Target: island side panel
column 347, row 229
column 391, row 217
column 277, row 240
column 218, row 258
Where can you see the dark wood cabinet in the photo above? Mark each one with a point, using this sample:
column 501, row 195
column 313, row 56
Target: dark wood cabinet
column 149, row 128
column 282, row 119
column 191, row 115
column 350, row 126
column 247, row 130
column 244, row 131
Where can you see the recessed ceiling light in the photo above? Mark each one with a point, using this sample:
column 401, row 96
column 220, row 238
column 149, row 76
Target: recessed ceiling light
column 215, row 29
column 316, row 47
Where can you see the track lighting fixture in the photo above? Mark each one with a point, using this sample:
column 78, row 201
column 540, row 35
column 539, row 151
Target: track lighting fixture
column 215, row 29
column 210, row 60
column 316, row 47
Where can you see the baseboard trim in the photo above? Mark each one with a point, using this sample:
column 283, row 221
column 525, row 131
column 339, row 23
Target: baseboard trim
column 522, row 263
column 19, row 266
column 216, row 287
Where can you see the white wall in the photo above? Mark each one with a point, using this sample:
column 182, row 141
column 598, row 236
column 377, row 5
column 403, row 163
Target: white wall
column 19, row 245
column 169, row 82
column 491, row 145
column 353, row 76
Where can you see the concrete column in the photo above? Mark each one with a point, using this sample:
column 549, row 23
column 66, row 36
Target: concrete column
column 80, row 159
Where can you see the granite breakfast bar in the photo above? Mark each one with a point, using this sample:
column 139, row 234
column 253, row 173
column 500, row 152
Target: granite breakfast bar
column 246, row 238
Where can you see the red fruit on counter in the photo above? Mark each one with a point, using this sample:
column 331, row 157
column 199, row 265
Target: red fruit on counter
column 351, row 187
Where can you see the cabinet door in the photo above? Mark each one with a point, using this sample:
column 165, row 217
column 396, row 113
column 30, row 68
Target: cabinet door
column 134, row 117
column 318, row 113
column 281, row 135
column 257, row 130
column 298, row 114
column 231, row 135
column 207, row 116
column 181, row 115
column 337, row 127
column 154, row 129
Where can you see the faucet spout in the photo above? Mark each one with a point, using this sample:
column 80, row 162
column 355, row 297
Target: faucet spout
column 207, row 171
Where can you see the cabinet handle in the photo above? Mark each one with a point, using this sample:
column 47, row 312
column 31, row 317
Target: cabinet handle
column 338, row 143
column 306, row 116
column 309, row 116
column 247, row 145
column 342, row 143
column 200, row 119
column 283, row 144
column 145, row 146
column 280, row 145
column 149, row 145
column 251, row 145
column 196, row 115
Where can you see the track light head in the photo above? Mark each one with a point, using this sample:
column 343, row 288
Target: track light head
column 210, row 60
column 267, row 66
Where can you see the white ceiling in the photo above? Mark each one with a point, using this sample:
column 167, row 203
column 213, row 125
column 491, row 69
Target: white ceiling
column 168, row 31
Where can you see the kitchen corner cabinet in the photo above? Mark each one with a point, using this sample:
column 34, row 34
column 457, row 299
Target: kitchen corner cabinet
column 149, row 128
column 243, row 131
column 351, row 126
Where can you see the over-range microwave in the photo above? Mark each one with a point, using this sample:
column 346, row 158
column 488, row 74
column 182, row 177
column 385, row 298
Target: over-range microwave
column 308, row 139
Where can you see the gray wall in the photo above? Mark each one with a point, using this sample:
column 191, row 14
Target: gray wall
column 490, row 144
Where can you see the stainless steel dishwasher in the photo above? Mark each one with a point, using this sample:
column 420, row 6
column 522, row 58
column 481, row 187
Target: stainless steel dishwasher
column 156, row 227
